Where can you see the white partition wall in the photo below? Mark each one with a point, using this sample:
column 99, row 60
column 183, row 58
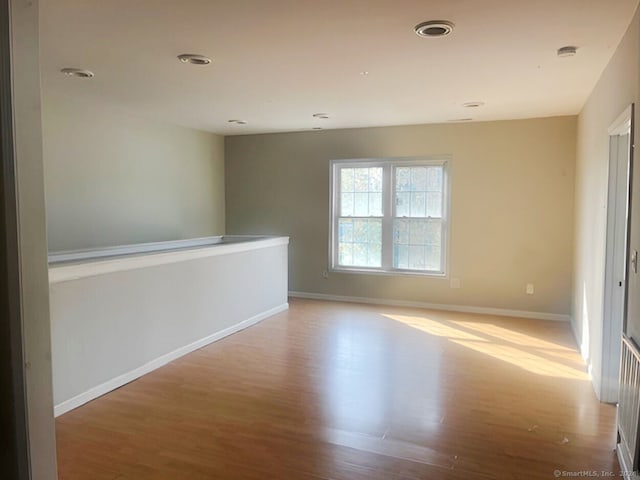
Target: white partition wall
column 113, row 320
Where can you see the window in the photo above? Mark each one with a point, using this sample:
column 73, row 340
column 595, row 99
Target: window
column 389, row 216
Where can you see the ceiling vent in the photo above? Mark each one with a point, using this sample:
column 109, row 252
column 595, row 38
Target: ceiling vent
column 568, row 51
column 194, row 59
column 77, row 72
column 434, row 28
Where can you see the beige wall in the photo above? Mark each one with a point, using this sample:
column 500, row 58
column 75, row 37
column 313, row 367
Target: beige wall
column 512, row 207
column 114, row 178
column 616, row 89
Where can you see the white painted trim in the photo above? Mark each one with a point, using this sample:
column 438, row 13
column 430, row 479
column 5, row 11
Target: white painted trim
column 434, row 306
column 622, row 124
column 624, row 466
column 94, row 253
column 91, row 268
column 606, row 381
column 123, row 379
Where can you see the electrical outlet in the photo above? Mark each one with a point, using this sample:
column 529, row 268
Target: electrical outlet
column 455, row 283
column 530, row 289
column 325, row 274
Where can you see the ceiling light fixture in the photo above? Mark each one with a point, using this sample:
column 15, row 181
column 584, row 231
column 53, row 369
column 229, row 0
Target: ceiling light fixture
column 77, row 72
column 238, row 122
column 434, row 28
column 323, row 116
column 473, row 104
column 364, row 73
column 194, row 59
column 568, row 51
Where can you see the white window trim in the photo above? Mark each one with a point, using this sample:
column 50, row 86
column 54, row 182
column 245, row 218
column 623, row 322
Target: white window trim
column 387, row 219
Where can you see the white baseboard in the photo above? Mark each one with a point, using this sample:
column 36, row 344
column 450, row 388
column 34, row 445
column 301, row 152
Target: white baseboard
column 434, row 306
column 624, row 466
column 121, row 380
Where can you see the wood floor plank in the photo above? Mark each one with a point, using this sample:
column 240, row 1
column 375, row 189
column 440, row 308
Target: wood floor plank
column 334, row 391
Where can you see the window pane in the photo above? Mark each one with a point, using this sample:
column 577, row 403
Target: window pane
column 360, row 242
column 425, row 185
column 434, row 233
column 416, row 257
column 401, row 233
column 418, row 208
column 402, row 204
column 434, row 179
column 375, row 179
column 346, row 179
column 401, row 256
column 433, row 260
column 374, row 232
column 361, row 207
column 417, row 244
column 418, row 233
column 419, row 179
column 403, row 179
column 361, row 179
column 434, row 204
column 375, row 204
column 360, row 231
column 346, row 205
column 374, row 257
column 345, row 231
column 345, row 253
column 360, row 254
column 361, row 192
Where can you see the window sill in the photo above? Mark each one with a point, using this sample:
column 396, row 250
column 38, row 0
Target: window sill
column 390, row 273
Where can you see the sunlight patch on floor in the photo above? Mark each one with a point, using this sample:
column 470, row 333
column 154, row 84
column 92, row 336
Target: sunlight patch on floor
column 527, row 352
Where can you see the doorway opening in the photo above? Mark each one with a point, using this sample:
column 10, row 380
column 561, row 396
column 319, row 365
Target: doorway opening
column 615, row 283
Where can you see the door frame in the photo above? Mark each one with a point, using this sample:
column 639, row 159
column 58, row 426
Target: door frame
column 612, row 328
column 14, row 434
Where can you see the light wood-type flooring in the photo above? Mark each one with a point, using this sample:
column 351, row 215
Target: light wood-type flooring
column 347, row 392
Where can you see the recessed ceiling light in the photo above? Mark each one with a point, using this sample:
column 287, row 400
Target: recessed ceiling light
column 568, row 51
column 194, row 59
column 238, row 122
column 434, row 28
column 473, row 104
column 77, row 72
column 324, row 116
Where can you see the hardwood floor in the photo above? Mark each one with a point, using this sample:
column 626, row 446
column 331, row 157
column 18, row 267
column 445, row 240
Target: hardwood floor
column 347, row 392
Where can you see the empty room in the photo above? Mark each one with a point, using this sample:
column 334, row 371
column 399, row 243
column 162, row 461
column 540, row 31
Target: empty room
column 337, row 240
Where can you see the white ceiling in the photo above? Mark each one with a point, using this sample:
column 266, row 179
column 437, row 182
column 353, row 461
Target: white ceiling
column 277, row 62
